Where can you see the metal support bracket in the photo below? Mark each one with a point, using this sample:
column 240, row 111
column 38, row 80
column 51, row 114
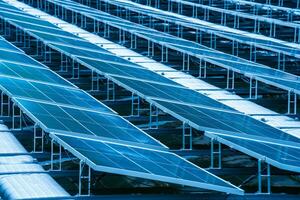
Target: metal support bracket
column 260, row 176
column 38, row 138
column 84, row 175
column 55, row 155
column 292, row 103
column 214, row 153
column 135, row 105
column 187, row 137
column 153, row 117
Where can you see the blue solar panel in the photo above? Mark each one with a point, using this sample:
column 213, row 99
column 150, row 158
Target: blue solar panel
column 107, row 126
column 143, row 162
column 17, row 57
column 30, row 73
column 226, row 122
column 280, row 156
column 50, row 93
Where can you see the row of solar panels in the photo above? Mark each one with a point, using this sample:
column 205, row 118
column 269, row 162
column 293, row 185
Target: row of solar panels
column 211, row 28
column 201, row 112
column 239, row 14
column 91, row 130
column 261, row 5
column 250, row 69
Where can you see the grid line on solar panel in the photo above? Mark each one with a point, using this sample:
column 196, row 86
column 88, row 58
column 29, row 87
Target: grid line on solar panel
column 139, row 161
column 67, row 119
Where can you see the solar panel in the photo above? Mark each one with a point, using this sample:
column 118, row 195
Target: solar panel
column 50, row 93
column 89, row 123
column 7, row 46
column 279, row 156
column 119, row 69
column 39, row 28
column 142, row 162
column 226, row 122
column 27, row 72
column 171, row 93
column 17, row 57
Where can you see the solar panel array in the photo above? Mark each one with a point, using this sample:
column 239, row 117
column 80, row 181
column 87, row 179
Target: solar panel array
column 109, row 143
column 254, row 70
column 86, row 127
column 187, row 105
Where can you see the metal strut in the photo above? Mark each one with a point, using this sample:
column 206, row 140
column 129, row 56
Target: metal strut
column 292, row 103
column 95, row 85
column 135, row 105
column 75, row 70
column 47, row 54
column 253, row 88
column 84, row 175
column 281, row 62
column 110, row 92
column 230, row 79
column 187, row 137
column 185, row 62
column 164, row 54
column 235, row 48
column 214, row 152
column 55, row 155
column 252, row 53
column 38, row 136
column 260, row 176
column 202, row 69
column 16, row 118
column 5, row 104
column 133, row 41
column 63, row 63
column 153, row 117
column 150, row 48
